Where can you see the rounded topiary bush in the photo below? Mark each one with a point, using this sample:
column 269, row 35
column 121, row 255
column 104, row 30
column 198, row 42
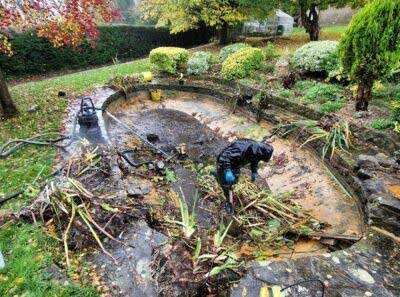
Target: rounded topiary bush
column 242, row 63
column 199, row 63
column 230, row 50
column 169, row 59
column 317, row 56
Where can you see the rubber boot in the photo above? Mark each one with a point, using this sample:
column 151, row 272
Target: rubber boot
column 229, row 207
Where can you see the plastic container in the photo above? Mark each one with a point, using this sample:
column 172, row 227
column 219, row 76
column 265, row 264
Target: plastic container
column 155, row 95
column 148, row 76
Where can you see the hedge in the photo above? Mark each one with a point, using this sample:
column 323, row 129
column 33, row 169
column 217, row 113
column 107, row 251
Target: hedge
column 35, row 55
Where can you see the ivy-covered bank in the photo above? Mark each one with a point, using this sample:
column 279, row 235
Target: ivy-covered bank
column 35, row 55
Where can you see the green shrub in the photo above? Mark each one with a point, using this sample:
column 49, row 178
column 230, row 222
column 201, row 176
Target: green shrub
column 382, row 124
column 322, row 93
column 169, row 59
column 397, row 127
column 230, row 50
column 270, row 52
column 304, row 84
column 242, row 63
column 35, row 55
column 370, row 48
column 286, row 93
column 199, row 63
column 317, row 56
column 332, row 106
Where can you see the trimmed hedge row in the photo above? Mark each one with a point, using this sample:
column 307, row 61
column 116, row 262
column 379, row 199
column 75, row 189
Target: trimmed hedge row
column 35, row 55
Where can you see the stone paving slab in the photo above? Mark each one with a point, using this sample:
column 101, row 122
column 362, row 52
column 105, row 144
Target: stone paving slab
column 371, row 267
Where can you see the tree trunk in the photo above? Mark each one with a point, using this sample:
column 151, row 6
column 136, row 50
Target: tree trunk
column 310, row 20
column 7, row 106
column 223, row 34
column 363, row 96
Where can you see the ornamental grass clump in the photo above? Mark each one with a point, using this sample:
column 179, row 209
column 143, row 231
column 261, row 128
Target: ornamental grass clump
column 317, row 56
column 230, row 50
column 169, row 59
column 199, row 63
column 242, row 64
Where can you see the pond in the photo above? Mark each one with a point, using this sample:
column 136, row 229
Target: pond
column 292, row 169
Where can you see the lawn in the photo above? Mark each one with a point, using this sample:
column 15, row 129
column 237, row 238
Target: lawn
column 289, row 44
column 29, row 257
column 23, row 167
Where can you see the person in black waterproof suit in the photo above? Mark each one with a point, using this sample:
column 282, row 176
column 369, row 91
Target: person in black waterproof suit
column 235, row 156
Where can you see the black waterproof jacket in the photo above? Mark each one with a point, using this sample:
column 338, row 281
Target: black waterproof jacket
column 243, row 152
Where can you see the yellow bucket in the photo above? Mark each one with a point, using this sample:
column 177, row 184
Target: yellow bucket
column 155, row 95
column 147, row 76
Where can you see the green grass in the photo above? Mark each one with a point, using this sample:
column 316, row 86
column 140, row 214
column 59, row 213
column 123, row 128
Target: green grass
column 332, row 106
column 382, row 124
column 21, row 168
column 321, row 93
column 288, row 45
column 28, row 254
column 323, row 29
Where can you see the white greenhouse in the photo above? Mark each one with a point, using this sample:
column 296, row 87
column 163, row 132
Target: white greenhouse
column 279, row 25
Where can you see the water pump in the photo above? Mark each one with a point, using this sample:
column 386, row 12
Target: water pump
column 88, row 120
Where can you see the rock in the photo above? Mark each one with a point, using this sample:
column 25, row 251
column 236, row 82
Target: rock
column 396, row 156
column 373, row 186
column 359, row 115
column 366, row 161
column 138, row 189
column 282, row 68
column 152, row 137
column 328, row 241
column 33, row 108
column 383, row 160
column 384, row 212
column 160, row 165
column 365, row 174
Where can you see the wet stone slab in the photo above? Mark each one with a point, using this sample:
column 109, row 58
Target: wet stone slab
column 369, row 268
column 132, row 275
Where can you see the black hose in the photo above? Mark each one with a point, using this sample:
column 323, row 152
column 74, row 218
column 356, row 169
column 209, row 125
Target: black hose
column 12, row 146
column 292, row 285
column 124, row 156
column 20, row 192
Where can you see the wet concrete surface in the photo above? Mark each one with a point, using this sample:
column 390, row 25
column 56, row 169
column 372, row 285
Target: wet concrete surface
column 291, row 169
column 132, row 275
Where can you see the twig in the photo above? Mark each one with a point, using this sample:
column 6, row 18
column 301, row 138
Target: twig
column 73, row 212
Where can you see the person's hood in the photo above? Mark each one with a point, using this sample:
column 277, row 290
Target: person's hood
column 264, row 151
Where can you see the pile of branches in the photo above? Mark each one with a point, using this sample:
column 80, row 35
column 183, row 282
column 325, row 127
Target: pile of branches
column 82, row 204
column 261, row 216
column 126, row 83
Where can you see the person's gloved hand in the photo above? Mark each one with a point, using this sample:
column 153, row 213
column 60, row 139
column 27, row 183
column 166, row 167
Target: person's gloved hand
column 229, row 177
column 253, row 176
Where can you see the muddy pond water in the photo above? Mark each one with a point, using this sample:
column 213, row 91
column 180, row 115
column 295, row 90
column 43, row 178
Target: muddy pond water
column 180, row 118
